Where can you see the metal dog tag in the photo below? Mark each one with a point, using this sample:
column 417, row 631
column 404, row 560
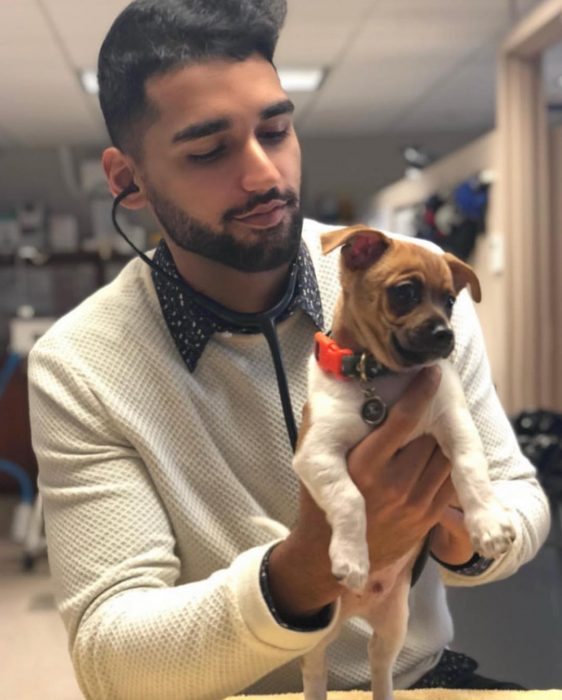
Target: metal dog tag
column 374, row 411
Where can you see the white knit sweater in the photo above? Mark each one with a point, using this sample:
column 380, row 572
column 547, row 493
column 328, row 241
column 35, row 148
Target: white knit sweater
column 157, row 484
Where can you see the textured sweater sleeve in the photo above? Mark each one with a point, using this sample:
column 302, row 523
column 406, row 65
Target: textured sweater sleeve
column 133, row 632
column 513, row 476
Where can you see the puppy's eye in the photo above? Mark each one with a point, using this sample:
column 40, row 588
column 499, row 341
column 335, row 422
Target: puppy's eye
column 450, row 302
column 404, row 297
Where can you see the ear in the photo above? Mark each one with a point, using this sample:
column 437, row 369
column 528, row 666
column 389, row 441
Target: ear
column 119, row 171
column 463, row 274
column 362, row 246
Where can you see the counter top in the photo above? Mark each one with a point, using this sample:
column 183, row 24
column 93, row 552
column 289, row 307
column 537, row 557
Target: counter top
column 426, row 694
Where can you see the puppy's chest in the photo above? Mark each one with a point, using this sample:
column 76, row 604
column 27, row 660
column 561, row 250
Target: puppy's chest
column 389, row 388
column 336, row 400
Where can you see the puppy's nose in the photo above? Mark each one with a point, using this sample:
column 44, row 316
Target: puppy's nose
column 442, row 338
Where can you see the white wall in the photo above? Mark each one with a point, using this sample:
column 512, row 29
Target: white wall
column 556, row 155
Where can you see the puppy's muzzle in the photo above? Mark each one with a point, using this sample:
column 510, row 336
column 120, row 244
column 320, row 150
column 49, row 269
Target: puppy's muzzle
column 434, row 336
column 442, row 339
column 432, row 340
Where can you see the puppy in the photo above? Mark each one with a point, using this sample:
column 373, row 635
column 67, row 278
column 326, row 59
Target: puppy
column 391, row 319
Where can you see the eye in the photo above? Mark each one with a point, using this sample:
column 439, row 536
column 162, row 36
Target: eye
column 450, row 302
column 208, row 156
column 274, row 136
column 405, row 296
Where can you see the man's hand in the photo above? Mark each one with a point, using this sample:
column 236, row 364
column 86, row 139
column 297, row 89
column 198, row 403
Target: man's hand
column 405, row 497
column 450, row 541
column 406, row 491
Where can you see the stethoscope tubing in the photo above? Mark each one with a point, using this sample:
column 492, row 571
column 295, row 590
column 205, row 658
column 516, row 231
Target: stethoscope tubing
column 264, row 321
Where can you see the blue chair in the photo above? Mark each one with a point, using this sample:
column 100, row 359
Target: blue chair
column 27, row 522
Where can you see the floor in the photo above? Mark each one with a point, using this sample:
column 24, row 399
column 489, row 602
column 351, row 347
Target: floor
column 35, row 662
column 513, row 627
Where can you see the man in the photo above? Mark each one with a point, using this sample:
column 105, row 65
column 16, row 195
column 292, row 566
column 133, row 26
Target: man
column 165, row 465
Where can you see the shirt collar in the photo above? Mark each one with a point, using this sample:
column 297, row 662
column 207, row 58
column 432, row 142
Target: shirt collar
column 191, row 326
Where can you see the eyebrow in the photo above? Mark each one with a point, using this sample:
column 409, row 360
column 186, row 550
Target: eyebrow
column 213, row 126
column 283, row 107
column 202, row 129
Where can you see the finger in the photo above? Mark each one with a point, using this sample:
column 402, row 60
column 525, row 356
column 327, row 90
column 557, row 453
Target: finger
column 404, row 416
column 455, row 503
column 405, row 466
column 453, row 521
column 441, row 500
column 411, row 462
column 437, row 471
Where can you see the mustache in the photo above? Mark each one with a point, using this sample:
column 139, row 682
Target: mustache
column 289, row 197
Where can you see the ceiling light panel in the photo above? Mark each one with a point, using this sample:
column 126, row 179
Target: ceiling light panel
column 301, row 79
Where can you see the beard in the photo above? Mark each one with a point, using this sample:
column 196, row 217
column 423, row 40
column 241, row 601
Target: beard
column 265, row 249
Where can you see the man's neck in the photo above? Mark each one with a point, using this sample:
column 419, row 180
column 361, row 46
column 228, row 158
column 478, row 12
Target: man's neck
column 244, row 292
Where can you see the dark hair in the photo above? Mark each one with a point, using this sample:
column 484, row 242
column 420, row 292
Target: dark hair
column 152, row 37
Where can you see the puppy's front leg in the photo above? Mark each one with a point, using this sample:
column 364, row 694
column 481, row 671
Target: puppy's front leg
column 488, row 520
column 321, row 465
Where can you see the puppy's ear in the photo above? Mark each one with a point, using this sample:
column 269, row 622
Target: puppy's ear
column 463, row 274
column 362, row 246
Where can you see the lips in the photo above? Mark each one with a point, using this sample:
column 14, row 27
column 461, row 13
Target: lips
column 408, row 357
column 264, row 215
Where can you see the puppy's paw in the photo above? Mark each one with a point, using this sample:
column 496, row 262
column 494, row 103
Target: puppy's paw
column 351, row 575
column 350, row 564
column 491, row 530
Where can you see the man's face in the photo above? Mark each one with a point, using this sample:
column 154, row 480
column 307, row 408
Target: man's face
column 221, row 164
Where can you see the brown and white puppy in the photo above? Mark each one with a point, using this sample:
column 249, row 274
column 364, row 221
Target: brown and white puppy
column 396, row 304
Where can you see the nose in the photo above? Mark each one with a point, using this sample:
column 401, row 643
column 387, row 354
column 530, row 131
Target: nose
column 442, row 337
column 259, row 172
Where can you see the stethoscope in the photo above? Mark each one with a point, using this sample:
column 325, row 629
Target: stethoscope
column 263, row 322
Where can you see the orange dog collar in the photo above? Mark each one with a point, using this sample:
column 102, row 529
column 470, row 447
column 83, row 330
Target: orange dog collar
column 344, row 363
column 329, row 355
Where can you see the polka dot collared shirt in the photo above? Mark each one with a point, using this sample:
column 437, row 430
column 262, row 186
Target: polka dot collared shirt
column 191, row 325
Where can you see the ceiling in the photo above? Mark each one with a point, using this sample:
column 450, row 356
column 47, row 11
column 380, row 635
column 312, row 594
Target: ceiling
column 394, row 65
